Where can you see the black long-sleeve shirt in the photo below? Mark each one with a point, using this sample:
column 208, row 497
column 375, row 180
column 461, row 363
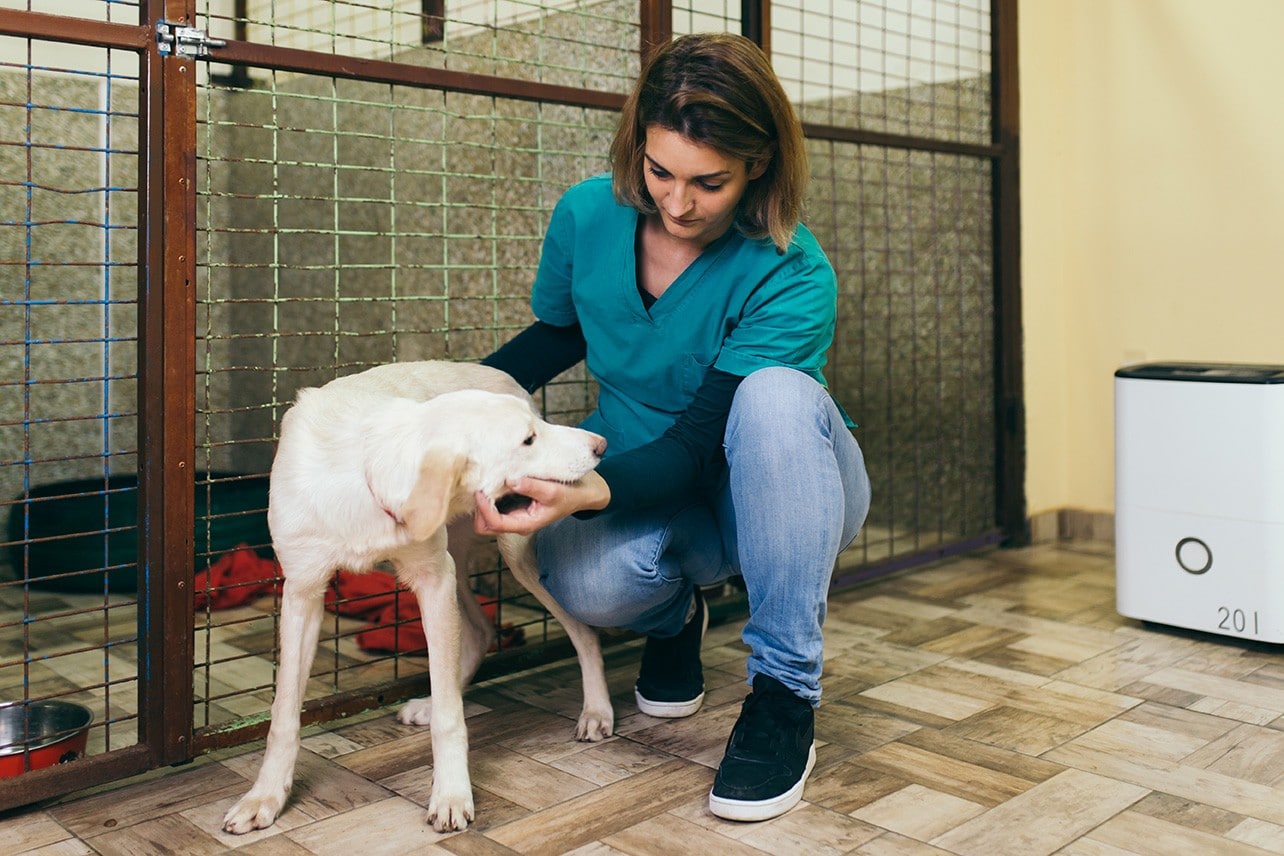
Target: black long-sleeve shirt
column 686, row 459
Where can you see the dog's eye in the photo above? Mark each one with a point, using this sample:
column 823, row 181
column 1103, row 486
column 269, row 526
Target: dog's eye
column 529, row 440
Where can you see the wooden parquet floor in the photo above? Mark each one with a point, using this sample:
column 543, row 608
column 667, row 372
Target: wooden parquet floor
column 989, row 705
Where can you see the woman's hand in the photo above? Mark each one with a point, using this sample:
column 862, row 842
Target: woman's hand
column 550, row 501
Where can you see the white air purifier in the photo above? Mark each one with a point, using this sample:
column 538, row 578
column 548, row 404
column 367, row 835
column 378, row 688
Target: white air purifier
column 1199, row 497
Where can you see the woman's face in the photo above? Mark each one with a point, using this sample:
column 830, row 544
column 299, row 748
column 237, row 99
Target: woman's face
column 695, row 186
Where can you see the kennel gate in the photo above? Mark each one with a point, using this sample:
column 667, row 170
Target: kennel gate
column 203, row 208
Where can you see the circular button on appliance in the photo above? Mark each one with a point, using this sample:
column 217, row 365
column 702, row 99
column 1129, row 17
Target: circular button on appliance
column 1194, row 556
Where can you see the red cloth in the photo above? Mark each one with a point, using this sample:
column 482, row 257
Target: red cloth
column 242, row 576
column 236, row 579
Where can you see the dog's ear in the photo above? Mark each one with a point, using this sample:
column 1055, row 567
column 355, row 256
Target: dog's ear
column 426, row 509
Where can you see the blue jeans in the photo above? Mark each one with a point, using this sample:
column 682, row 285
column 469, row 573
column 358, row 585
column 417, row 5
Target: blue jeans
column 796, row 493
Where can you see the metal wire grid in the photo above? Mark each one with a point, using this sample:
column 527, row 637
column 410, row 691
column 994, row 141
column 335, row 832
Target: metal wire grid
column 910, row 236
column 119, row 11
column 706, row 16
column 908, row 67
column 571, row 43
column 68, row 294
column 393, row 275
column 343, row 225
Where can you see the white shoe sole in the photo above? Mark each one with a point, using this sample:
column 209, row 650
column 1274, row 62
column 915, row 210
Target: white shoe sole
column 668, row 709
column 751, row 810
column 674, row 709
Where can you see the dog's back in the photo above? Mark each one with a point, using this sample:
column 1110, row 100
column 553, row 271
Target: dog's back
column 424, row 379
column 351, row 450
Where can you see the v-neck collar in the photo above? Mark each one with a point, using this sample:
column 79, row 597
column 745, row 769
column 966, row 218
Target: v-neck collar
column 681, row 285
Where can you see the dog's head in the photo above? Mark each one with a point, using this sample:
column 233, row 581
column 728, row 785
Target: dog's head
column 474, row 440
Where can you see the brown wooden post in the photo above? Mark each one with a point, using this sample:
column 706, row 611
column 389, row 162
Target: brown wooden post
column 167, row 392
column 755, row 23
column 1009, row 371
column 657, row 25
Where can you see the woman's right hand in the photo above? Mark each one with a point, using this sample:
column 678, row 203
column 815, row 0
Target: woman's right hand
column 550, row 501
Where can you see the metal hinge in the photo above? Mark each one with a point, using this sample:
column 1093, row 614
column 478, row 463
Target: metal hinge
column 184, row 41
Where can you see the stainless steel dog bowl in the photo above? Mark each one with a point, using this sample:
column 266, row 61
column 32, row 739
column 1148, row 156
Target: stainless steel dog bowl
column 41, row 733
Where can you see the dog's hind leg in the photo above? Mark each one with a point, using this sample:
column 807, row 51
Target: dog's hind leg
column 479, row 631
column 301, row 608
column 432, row 579
column 597, row 718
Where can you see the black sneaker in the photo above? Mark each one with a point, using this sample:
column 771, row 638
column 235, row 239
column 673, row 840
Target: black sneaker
column 769, row 755
column 671, row 681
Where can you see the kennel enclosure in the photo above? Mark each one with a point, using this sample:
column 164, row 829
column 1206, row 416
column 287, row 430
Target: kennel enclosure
column 205, row 206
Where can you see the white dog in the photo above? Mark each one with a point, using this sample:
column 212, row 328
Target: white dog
column 371, row 468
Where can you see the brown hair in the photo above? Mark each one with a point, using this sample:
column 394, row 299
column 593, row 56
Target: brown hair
column 718, row 89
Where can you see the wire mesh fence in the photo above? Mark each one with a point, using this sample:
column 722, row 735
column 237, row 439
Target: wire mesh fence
column 910, row 236
column 916, row 69
column 346, row 219
column 69, row 175
column 572, row 42
column 346, row 224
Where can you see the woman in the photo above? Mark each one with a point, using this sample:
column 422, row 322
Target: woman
column 704, row 311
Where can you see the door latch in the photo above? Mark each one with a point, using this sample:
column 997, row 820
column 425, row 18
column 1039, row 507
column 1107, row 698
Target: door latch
column 183, row 41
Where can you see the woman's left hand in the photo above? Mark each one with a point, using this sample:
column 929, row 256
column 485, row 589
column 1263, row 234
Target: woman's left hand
column 550, row 501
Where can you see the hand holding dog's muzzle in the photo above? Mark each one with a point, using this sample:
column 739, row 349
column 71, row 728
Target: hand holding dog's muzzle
column 548, row 502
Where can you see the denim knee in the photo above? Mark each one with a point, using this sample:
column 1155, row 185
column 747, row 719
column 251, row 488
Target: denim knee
column 777, row 402
column 779, row 385
column 630, row 569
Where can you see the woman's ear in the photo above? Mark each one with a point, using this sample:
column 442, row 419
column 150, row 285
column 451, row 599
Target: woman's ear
column 757, row 168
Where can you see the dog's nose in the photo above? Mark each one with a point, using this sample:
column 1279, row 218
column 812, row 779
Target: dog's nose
column 599, row 448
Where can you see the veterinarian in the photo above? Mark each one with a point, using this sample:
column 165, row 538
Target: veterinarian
column 704, row 310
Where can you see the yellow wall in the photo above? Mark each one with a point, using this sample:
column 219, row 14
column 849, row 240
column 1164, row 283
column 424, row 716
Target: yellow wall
column 1152, row 194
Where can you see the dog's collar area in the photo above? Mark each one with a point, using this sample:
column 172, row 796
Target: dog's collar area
column 385, row 509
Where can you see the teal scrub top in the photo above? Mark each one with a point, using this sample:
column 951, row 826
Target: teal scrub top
column 740, row 306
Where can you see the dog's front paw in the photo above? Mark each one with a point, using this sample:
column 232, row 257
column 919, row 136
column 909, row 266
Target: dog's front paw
column 595, row 725
column 253, row 811
column 450, row 812
column 417, row 711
